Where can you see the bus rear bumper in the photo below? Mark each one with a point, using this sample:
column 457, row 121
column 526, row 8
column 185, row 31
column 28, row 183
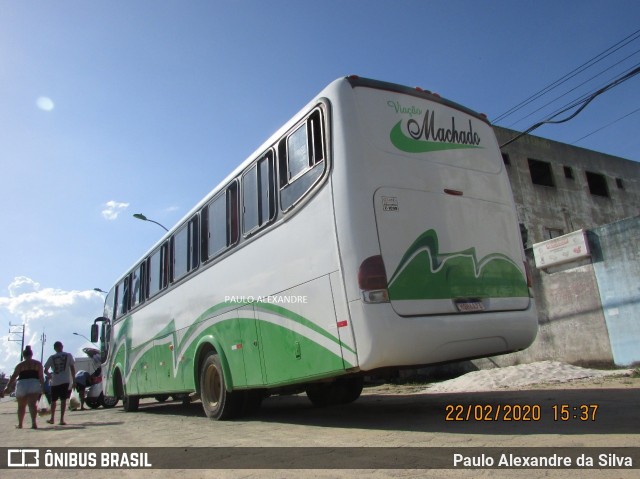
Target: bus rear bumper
column 385, row 339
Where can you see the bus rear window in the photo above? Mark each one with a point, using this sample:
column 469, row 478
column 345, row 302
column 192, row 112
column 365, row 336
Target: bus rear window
column 301, row 158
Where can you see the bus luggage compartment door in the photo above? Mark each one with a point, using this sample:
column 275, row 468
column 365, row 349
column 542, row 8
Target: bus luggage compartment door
column 448, row 253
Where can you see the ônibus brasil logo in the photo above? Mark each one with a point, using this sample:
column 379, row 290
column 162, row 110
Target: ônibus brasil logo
column 423, row 136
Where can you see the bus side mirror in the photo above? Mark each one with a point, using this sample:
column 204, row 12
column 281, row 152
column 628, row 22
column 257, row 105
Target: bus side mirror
column 94, row 333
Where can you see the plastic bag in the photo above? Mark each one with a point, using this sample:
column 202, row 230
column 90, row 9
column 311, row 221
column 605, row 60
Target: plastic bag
column 44, row 407
column 74, row 400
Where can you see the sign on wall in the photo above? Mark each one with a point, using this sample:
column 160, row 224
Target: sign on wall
column 560, row 250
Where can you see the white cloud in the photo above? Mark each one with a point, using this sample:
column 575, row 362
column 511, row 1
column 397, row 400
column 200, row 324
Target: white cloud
column 21, row 285
column 56, row 313
column 112, row 209
column 45, row 103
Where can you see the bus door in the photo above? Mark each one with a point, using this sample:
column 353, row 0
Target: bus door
column 250, row 346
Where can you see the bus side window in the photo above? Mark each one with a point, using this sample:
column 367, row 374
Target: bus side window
column 221, row 223
column 137, row 292
column 122, row 295
column 194, row 243
column 250, row 210
column 180, row 253
column 185, row 249
column 156, row 271
column 301, row 157
column 232, row 214
column 258, row 197
column 110, row 304
column 266, row 184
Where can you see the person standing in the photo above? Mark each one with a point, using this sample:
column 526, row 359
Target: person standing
column 29, row 381
column 62, row 380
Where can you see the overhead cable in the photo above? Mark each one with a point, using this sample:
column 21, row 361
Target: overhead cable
column 584, row 103
column 609, row 51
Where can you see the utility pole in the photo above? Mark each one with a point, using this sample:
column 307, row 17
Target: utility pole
column 17, row 329
column 43, row 340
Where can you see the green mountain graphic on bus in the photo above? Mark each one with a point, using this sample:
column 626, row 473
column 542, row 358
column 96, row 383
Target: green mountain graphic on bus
column 425, row 273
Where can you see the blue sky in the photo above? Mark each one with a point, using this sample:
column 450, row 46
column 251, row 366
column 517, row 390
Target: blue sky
column 114, row 108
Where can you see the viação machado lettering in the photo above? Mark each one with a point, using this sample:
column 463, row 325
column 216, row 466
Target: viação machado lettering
column 427, row 131
column 275, row 299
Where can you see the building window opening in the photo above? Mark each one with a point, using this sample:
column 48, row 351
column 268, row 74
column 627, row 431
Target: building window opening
column 551, row 233
column 597, row 184
column 568, row 172
column 619, row 183
column 541, row 173
column 506, row 159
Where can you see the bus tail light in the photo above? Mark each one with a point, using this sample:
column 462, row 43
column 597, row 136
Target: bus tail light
column 372, row 279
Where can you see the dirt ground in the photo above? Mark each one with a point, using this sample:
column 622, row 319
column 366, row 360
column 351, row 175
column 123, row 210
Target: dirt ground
column 388, row 415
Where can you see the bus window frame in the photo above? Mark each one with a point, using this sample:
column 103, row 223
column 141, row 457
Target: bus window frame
column 205, row 229
column 142, row 293
column 163, row 250
column 314, row 164
column 269, row 157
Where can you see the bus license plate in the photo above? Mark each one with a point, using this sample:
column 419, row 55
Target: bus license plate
column 470, row 306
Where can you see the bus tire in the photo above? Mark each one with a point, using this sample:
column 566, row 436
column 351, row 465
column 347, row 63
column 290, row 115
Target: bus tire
column 340, row 391
column 351, row 388
column 130, row 403
column 322, row 394
column 217, row 402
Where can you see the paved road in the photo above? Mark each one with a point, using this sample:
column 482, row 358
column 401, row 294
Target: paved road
column 397, row 416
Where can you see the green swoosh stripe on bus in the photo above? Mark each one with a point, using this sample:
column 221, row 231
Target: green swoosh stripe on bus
column 404, row 143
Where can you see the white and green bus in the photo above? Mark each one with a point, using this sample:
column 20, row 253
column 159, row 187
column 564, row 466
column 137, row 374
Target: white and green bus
column 375, row 231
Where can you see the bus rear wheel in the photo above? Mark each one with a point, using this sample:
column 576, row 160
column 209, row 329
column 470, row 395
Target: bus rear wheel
column 340, row 391
column 217, row 402
column 130, row 403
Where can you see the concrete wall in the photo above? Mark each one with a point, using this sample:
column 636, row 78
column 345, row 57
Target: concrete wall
column 589, row 312
column 569, row 205
column 616, row 264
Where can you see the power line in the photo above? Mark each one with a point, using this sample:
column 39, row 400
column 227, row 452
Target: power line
column 585, row 96
column 584, row 102
column 606, row 126
column 609, row 51
column 577, row 86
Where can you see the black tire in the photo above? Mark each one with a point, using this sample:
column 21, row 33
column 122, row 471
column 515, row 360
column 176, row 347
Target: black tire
column 92, row 403
column 161, row 397
column 351, row 388
column 217, row 402
column 321, row 394
column 340, row 391
column 129, row 403
column 109, row 401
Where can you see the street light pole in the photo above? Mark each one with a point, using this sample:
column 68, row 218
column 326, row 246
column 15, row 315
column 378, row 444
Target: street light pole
column 142, row 217
column 43, row 339
column 83, row 336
